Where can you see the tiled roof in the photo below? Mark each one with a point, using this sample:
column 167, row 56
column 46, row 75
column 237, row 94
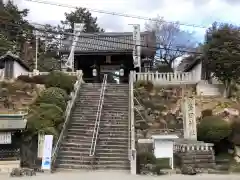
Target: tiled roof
column 108, row 42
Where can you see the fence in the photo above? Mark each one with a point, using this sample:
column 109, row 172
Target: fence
column 166, row 78
column 36, row 72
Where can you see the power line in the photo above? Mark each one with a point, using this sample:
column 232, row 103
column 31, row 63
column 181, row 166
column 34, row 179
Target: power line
column 108, row 40
column 96, row 49
column 117, row 14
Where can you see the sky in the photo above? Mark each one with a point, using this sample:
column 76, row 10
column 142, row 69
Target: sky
column 198, row 12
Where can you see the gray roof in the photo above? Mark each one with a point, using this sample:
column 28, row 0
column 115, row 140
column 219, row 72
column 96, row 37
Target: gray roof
column 109, row 42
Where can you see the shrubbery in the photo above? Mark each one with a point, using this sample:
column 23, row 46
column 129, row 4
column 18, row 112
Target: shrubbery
column 213, row 129
column 53, row 79
column 60, row 80
column 45, row 118
column 47, row 112
column 148, row 85
column 50, row 96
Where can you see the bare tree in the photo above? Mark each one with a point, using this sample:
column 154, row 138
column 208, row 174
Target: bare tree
column 172, row 41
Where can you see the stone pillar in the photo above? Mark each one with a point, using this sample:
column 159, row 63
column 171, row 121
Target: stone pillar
column 189, row 118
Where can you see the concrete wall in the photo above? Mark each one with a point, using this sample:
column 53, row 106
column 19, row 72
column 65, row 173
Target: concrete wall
column 197, row 71
column 203, row 88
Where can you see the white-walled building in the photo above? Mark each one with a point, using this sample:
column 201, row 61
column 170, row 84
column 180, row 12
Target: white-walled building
column 11, row 66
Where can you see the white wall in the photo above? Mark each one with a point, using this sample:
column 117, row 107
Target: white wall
column 163, row 149
column 18, row 69
column 198, row 72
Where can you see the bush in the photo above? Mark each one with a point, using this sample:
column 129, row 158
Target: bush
column 235, row 137
column 213, row 129
column 207, row 112
column 148, row 85
column 50, row 96
column 44, row 117
column 56, row 90
column 144, row 158
column 60, row 80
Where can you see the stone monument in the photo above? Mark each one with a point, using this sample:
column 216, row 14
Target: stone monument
column 189, row 118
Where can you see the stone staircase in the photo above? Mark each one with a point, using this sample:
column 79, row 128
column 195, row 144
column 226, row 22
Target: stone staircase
column 75, row 148
column 112, row 145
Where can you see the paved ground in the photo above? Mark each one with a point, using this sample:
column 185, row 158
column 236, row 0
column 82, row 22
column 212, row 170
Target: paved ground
column 107, row 175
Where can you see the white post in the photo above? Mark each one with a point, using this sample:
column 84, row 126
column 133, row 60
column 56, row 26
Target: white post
column 77, row 30
column 36, row 51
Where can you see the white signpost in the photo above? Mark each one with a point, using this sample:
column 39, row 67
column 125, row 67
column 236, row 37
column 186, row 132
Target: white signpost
column 47, row 152
column 137, row 46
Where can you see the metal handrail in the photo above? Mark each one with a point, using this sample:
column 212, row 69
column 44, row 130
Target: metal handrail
column 98, row 117
column 67, row 116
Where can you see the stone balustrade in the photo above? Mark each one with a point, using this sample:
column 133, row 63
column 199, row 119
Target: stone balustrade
column 36, row 73
column 167, row 78
column 198, row 146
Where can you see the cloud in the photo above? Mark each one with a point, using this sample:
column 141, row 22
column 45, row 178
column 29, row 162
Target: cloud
column 200, row 12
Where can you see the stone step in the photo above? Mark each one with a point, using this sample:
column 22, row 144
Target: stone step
column 67, row 144
column 77, row 166
column 80, row 140
column 113, row 141
column 79, row 134
column 113, row 134
column 89, row 125
column 114, row 121
column 72, row 161
column 78, row 147
column 116, row 100
column 100, row 150
column 104, row 129
column 113, row 162
column 105, row 112
column 79, row 158
column 104, row 154
column 83, row 119
column 72, row 166
column 88, row 138
column 73, row 153
column 74, row 149
column 87, row 102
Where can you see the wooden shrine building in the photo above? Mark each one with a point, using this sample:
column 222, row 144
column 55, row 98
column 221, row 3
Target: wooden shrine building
column 108, row 52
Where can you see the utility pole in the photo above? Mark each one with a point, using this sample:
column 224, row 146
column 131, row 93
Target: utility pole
column 36, row 50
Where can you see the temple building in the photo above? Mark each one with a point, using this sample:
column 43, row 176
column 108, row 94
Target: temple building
column 108, row 53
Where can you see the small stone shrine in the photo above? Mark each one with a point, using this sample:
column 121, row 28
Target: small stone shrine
column 11, row 126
